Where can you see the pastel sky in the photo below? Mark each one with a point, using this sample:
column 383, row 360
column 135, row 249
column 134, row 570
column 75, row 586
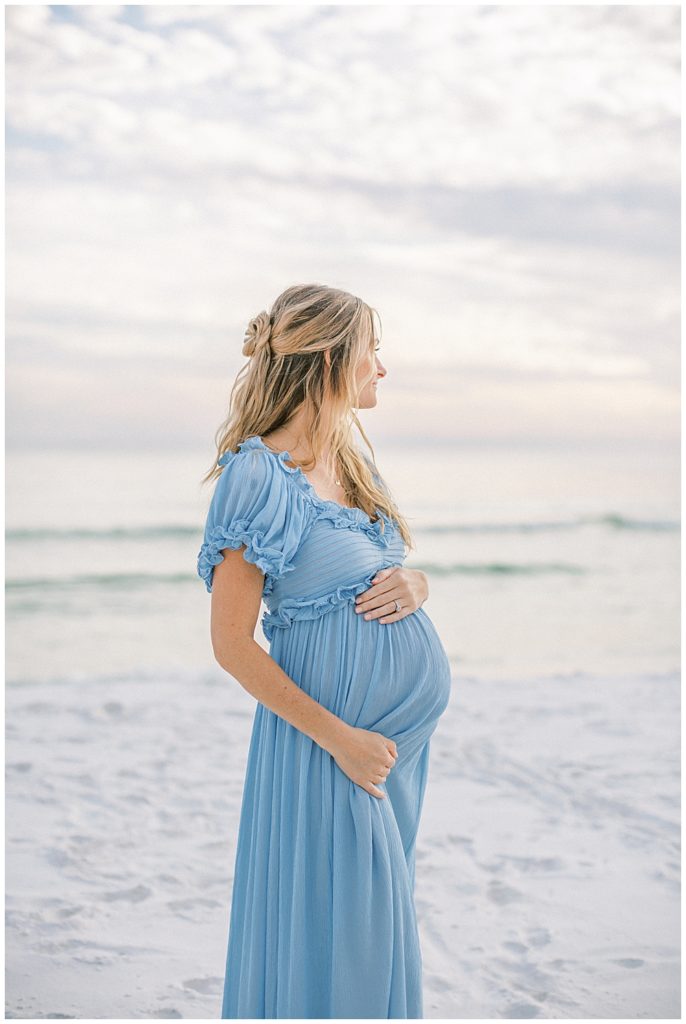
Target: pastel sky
column 500, row 183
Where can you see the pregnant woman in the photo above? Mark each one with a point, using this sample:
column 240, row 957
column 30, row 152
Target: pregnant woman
column 322, row 920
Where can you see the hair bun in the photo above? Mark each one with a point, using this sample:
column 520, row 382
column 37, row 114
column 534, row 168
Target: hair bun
column 258, row 334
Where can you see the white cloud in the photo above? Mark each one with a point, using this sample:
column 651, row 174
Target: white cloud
column 459, row 96
column 500, row 180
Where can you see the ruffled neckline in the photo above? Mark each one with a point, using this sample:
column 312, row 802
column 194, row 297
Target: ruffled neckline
column 340, row 515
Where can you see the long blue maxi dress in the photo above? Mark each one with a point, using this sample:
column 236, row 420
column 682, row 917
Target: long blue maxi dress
column 322, row 920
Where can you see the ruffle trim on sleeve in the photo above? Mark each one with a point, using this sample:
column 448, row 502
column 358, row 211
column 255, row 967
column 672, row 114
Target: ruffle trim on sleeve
column 313, row 608
column 272, row 562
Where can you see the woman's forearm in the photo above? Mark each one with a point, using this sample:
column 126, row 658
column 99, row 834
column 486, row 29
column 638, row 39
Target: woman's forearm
column 261, row 676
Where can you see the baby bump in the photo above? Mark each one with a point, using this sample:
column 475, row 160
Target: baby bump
column 391, row 677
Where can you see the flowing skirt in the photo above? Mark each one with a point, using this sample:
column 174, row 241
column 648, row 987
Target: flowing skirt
column 322, row 919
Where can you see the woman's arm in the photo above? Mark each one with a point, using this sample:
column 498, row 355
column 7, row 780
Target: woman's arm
column 236, row 596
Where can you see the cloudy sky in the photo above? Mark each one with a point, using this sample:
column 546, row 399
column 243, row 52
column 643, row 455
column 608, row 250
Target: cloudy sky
column 500, row 183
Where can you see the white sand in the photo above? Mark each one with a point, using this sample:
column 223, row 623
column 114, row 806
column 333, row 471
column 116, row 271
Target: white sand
column 548, row 857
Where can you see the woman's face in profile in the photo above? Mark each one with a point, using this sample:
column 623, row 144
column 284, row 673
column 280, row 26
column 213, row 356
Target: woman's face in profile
column 369, row 366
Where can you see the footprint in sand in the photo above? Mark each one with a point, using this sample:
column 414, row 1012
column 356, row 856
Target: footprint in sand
column 515, row 947
column 539, row 936
column 520, row 1011
column 436, row 983
column 205, row 986
column 503, row 894
column 135, row 895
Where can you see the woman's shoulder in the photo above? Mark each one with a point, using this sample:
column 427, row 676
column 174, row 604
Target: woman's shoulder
column 254, row 469
column 244, row 448
column 252, row 458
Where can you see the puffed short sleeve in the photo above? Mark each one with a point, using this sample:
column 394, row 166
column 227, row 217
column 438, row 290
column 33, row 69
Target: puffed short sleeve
column 255, row 505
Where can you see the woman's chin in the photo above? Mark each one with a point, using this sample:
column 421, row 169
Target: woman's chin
column 368, row 400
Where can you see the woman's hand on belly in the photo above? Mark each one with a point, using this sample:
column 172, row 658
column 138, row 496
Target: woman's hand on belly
column 408, row 586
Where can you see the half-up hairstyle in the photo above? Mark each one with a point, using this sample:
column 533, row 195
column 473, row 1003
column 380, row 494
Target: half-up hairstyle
column 286, row 368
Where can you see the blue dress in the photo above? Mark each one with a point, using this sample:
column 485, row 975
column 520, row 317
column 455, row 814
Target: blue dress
column 322, row 920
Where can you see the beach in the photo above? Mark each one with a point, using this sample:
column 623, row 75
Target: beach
column 548, row 856
column 452, row 234
column 547, row 860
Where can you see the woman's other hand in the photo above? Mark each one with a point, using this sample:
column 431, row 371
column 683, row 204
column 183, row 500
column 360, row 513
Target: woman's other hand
column 366, row 757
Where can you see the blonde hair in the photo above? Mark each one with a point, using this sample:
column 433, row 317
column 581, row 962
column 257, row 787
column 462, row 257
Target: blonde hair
column 287, row 368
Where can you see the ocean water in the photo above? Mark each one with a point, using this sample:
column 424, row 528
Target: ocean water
column 540, row 561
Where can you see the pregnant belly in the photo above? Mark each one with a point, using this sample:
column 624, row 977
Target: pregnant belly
column 391, row 677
